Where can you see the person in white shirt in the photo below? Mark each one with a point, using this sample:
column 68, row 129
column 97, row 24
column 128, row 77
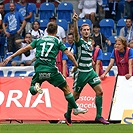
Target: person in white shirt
column 27, row 58
column 60, row 31
column 127, row 31
column 36, row 32
column 88, row 9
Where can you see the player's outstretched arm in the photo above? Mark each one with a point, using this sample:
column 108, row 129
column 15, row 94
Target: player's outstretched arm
column 20, row 51
column 71, row 57
column 76, row 34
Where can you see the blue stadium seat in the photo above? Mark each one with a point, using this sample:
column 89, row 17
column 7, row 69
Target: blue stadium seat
column 47, row 9
column 106, row 27
column 63, row 23
column 106, row 58
column 65, row 11
column 6, row 7
column 112, row 40
column 83, row 21
column 121, row 23
column 104, row 3
column 43, row 24
column 34, row 11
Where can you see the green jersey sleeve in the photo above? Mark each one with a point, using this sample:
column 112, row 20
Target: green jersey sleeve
column 33, row 44
column 79, row 43
column 62, row 47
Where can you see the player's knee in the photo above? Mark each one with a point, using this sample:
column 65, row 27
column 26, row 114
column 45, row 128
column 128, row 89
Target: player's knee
column 76, row 95
column 61, row 86
column 32, row 90
column 100, row 93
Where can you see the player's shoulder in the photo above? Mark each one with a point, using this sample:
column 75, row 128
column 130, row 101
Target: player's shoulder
column 52, row 39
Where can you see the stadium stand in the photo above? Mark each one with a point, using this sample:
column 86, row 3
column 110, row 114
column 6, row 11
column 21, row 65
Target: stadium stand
column 106, row 27
column 82, row 21
column 104, row 3
column 121, row 23
column 106, row 58
column 120, row 11
column 64, row 11
column 47, row 9
column 6, row 7
column 63, row 23
column 43, row 23
column 34, row 11
column 112, row 40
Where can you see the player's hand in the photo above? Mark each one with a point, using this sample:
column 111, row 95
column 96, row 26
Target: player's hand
column 1, row 64
column 128, row 76
column 75, row 16
column 7, row 60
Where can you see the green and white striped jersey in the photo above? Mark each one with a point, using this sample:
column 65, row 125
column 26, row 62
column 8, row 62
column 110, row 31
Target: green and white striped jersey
column 47, row 49
column 84, row 55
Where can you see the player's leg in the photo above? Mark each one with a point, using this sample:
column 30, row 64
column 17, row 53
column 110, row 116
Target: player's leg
column 71, row 104
column 95, row 83
column 98, row 102
column 79, row 83
column 62, row 84
column 35, row 85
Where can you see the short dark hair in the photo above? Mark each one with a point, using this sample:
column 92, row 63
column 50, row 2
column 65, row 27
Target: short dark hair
column 128, row 18
column 52, row 28
column 52, row 17
column 96, row 25
column 69, row 34
column 37, row 22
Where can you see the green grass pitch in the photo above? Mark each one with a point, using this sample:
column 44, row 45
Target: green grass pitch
column 63, row 128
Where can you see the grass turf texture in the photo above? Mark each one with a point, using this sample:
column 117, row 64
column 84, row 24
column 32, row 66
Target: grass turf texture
column 63, row 128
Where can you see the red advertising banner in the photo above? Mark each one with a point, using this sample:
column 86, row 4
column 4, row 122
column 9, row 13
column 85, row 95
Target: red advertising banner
column 16, row 102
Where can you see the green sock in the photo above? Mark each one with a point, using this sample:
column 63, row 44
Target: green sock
column 69, row 110
column 69, row 97
column 98, row 102
column 32, row 90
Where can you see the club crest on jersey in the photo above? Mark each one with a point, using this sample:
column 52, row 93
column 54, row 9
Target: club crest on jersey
column 90, row 46
column 87, row 47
